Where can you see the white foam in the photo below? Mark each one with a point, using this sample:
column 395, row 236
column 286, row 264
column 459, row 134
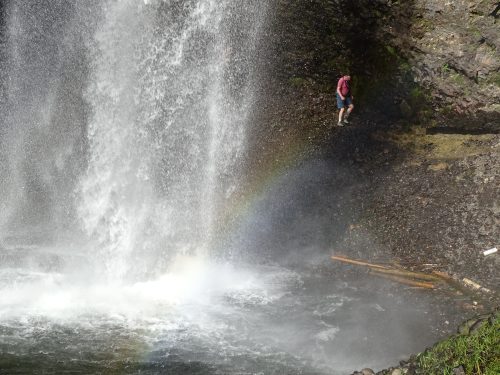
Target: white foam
column 190, row 281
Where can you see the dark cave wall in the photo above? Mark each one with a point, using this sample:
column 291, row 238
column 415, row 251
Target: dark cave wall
column 315, row 42
column 419, row 61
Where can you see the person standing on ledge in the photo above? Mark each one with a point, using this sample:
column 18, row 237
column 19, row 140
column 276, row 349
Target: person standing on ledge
column 344, row 99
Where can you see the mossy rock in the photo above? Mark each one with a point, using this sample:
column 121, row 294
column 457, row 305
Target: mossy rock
column 298, row 82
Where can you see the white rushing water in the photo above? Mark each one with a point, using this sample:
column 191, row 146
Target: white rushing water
column 125, row 126
column 123, row 137
column 169, row 93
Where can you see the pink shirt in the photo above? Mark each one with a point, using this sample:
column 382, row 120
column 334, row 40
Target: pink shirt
column 343, row 87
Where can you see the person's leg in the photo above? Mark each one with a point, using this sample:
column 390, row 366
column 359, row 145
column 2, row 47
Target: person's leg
column 341, row 107
column 341, row 112
column 350, row 107
column 349, row 110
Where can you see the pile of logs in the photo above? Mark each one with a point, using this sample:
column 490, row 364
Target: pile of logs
column 394, row 273
column 414, row 279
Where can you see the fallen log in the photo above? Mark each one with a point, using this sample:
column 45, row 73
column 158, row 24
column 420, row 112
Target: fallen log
column 404, row 281
column 400, row 275
column 409, row 274
column 357, row 262
column 474, row 285
column 455, row 281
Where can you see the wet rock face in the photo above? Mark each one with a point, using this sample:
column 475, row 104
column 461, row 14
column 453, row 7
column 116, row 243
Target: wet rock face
column 453, row 47
column 440, row 208
column 412, row 59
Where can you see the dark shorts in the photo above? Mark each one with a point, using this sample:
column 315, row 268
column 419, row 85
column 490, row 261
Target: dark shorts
column 343, row 103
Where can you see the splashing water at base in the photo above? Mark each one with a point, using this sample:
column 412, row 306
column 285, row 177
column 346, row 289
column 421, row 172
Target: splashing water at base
column 191, row 283
column 205, row 318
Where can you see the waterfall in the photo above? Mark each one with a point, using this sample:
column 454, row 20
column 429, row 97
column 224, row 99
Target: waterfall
column 43, row 117
column 127, row 124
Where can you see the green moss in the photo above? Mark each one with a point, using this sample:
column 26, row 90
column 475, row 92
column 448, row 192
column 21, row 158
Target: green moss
column 478, row 353
column 418, row 99
column 417, row 93
column 446, row 69
column 475, row 32
column 447, row 110
column 405, row 66
column 391, row 51
column 427, row 24
column 454, row 76
column 402, row 63
column 298, row 81
column 458, row 79
column 440, row 147
column 492, row 79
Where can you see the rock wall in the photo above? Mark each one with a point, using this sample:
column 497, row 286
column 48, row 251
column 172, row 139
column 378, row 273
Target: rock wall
column 453, row 50
column 424, row 60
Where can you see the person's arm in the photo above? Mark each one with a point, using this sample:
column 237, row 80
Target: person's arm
column 339, row 85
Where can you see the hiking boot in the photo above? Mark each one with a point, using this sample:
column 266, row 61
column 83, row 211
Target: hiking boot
column 340, row 123
column 346, row 121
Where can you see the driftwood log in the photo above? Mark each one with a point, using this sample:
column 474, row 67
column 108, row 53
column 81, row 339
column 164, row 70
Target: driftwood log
column 400, row 275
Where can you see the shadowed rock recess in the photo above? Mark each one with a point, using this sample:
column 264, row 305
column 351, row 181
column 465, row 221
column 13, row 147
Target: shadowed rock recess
column 409, row 58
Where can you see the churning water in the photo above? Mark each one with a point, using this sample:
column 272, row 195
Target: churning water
column 122, row 147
